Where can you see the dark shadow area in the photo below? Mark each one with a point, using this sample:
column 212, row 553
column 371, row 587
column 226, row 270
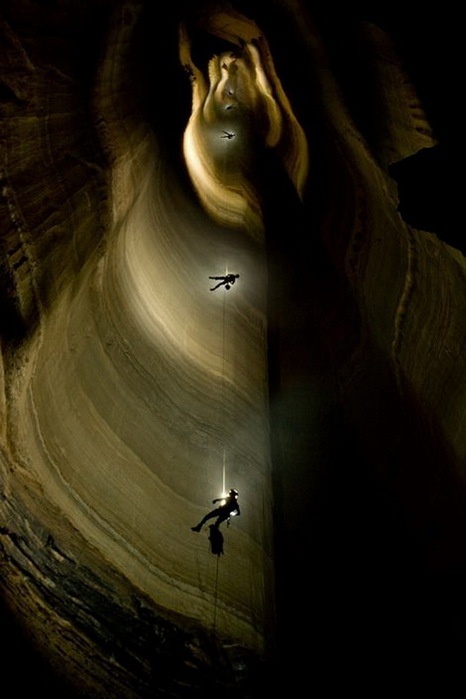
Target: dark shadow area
column 370, row 519
column 428, row 48
column 429, row 196
column 25, row 672
column 370, row 527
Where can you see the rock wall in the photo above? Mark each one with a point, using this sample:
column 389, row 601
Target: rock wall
column 143, row 154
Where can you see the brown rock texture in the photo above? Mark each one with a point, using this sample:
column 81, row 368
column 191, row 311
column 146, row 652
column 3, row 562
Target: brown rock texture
column 144, row 152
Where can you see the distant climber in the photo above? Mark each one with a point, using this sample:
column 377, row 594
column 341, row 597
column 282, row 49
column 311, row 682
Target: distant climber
column 228, row 134
column 226, row 280
column 229, row 508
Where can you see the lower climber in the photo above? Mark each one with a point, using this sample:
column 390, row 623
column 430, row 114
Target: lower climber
column 229, row 508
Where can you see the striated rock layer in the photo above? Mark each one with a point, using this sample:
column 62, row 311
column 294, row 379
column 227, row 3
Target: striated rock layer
column 129, row 406
column 142, row 154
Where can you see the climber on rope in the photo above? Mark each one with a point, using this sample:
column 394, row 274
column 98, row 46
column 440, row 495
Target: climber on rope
column 229, row 508
column 228, row 134
column 226, row 280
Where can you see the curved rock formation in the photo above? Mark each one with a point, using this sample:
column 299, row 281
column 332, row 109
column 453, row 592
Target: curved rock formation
column 239, row 108
column 326, row 385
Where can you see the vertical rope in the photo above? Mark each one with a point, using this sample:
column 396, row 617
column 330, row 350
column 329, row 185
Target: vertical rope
column 214, row 625
column 224, row 421
column 223, row 393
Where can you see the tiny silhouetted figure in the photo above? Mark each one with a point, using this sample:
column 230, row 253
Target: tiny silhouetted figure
column 227, row 509
column 216, row 540
column 228, row 134
column 226, row 280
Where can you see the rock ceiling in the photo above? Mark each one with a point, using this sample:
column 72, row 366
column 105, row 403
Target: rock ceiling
column 143, row 154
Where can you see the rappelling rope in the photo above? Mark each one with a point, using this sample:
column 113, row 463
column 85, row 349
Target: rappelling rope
column 223, row 393
column 223, row 398
column 224, row 453
column 214, row 624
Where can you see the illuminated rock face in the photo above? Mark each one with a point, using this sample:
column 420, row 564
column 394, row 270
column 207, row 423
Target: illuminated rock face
column 132, row 394
column 138, row 396
column 239, row 108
